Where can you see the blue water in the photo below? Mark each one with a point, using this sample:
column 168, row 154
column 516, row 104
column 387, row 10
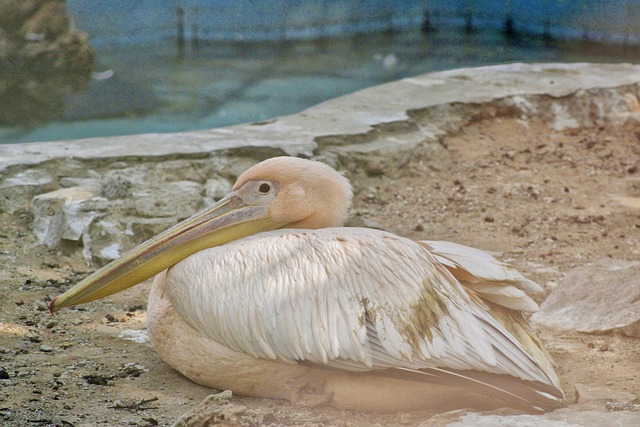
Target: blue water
column 155, row 88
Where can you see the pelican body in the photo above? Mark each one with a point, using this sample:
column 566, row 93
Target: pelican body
column 268, row 295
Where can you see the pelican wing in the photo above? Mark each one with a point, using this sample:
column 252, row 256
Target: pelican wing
column 493, row 280
column 354, row 299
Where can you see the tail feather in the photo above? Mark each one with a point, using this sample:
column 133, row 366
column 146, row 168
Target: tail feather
column 528, row 396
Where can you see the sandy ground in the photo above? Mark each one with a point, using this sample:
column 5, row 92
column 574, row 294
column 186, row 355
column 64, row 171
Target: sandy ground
column 541, row 199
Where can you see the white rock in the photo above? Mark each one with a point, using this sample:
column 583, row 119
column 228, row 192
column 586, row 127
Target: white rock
column 31, row 177
column 16, row 191
column 110, row 252
column 176, row 199
column 217, row 188
column 135, row 335
column 558, row 418
column 61, row 215
column 597, row 298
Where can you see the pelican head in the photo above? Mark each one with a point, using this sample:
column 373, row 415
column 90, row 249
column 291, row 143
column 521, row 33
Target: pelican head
column 281, row 192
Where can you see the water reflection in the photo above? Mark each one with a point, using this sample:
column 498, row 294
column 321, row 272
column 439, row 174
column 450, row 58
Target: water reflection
column 42, row 58
column 154, row 87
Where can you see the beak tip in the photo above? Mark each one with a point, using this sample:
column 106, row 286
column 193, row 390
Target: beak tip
column 52, row 306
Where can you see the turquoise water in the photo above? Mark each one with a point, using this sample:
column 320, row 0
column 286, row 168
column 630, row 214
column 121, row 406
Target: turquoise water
column 156, row 88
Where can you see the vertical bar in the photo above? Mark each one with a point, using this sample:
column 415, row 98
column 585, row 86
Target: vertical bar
column 180, row 24
column 358, row 16
column 468, row 17
column 585, row 26
column 546, row 25
column 509, row 29
column 389, row 12
column 627, row 23
column 193, row 18
column 285, row 13
column 427, row 26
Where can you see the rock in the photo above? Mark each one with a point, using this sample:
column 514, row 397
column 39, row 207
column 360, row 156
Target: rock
column 215, row 189
column 623, row 406
column 597, row 406
column 17, row 190
column 213, row 410
column 558, row 418
column 145, row 228
column 46, row 348
column 225, row 394
column 68, row 420
column 14, row 12
column 116, row 188
column 51, row 20
column 46, row 59
column 132, row 369
column 5, row 383
column 596, row 397
column 183, row 170
column 104, row 241
column 177, row 199
column 597, row 298
column 61, row 214
column 135, row 335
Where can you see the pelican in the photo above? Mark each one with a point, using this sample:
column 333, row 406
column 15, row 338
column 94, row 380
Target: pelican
column 267, row 294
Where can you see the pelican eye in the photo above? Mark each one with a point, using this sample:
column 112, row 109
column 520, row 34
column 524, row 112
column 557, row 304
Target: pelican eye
column 264, row 188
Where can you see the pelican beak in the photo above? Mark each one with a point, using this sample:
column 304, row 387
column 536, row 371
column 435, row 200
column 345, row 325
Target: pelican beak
column 227, row 220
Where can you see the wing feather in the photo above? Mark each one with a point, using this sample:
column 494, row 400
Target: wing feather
column 354, row 299
column 492, row 279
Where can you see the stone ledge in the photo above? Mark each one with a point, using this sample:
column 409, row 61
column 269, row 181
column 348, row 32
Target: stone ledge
column 357, row 114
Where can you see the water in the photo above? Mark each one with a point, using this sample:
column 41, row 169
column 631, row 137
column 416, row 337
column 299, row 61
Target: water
column 155, row 88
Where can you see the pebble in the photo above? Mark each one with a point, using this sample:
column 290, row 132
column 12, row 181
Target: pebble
column 41, row 306
column 34, row 337
column 633, row 406
column 132, row 369
column 50, row 324
column 225, row 394
column 46, row 349
column 404, row 418
column 373, row 167
column 76, row 322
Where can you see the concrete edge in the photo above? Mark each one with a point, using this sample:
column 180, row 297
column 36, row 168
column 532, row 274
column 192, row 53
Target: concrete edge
column 357, row 113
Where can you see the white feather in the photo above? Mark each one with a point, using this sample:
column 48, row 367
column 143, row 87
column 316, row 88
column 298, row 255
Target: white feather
column 325, row 281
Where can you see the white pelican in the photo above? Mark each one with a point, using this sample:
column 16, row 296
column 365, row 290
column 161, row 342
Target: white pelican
column 266, row 294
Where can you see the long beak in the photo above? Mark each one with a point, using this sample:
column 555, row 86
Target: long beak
column 227, row 220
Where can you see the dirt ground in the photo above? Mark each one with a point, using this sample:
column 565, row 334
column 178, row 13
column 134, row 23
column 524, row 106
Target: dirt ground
column 541, row 199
